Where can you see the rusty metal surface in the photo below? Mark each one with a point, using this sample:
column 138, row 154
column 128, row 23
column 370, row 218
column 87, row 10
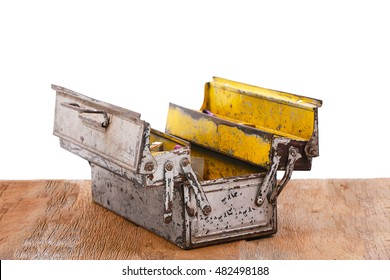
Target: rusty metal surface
column 234, row 214
column 125, row 132
column 220, row 135
column 191, row 195
column 243, row 121
column 261, row 144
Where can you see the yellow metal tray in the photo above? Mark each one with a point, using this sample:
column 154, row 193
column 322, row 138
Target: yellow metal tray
column 243, row 121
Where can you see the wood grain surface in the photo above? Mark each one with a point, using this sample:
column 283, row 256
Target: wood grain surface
column 318, row 219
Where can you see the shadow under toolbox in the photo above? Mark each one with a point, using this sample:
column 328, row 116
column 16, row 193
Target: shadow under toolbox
column 191, row 195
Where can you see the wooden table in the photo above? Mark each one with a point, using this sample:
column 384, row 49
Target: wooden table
column 318, row 219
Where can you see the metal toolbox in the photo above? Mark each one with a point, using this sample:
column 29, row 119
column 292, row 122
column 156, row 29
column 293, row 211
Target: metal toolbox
column 187, row 193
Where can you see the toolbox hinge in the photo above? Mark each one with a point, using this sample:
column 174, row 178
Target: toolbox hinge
column 148, row 164
column 266, row 189
column 200, row 196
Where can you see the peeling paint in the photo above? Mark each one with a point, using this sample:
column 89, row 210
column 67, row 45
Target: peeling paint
column 221, row 187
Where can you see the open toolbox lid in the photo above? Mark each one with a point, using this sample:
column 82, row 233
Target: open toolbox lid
column 250, row 123
column 107, row 135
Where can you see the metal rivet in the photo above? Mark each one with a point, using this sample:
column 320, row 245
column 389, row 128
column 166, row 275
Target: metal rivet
column 169, row 166
column 149, row 166
column 293, row 152
column 206, row 210
column 167, row 219
column 184, row 162
column 190, row 211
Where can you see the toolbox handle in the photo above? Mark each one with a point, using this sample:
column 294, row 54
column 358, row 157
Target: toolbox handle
column 266, row 186
column 293, row 156
column 75, row 106
column 200, row 196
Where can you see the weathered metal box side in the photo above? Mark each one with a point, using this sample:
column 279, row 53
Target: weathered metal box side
column 242, row 121
column 142, row 206
column 104, row 134
column 235, row 214
column 230, row 190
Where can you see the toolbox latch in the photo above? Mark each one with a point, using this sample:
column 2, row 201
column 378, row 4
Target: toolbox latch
column 266, row 189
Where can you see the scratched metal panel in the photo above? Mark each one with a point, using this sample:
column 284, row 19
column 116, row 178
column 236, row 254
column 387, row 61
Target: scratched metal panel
column 142, row 206
column 242, row 121
column 230, row 138
column 108, row 132
column 234, row 216
column 235, row 213
column 91, row 157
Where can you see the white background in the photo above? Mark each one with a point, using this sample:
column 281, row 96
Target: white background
column 142, row 54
